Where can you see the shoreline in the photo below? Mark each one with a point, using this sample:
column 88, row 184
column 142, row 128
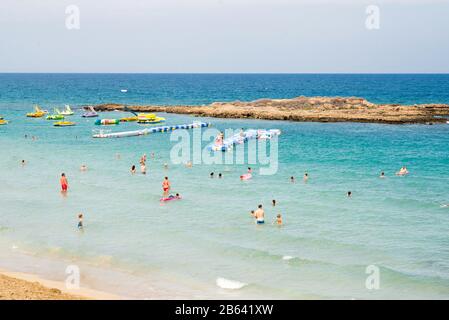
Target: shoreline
column 304, row 109
column 26, row 286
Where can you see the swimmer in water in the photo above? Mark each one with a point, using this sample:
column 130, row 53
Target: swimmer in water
column 83, row 168
column 152, row 155
column 23, row 162
column 349, row 194
column 143, row 168
column 220, row 175
column 259, row 214
column 252, row 213
column 306, row 177
column 80, row 221
column 219, row 139
column 189, row 164
column 250, row 171
column 133, row 169
column 166, row 187
column 402, row 172
column 382, row 175
column 278, row 219
column 273, row 202
column 211, row 175
column 177, row 196
column 242, row 133
column 165, row 166
column 292, row 179
column 64, row 183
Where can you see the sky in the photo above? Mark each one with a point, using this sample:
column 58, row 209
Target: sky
column 224, row 36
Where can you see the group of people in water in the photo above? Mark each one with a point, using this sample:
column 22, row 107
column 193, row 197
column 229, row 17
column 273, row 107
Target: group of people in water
column 166, row 185
column 305, row 178
column 258, row 214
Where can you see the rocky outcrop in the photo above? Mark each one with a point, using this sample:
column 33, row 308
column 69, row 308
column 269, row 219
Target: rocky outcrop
column 317, row 109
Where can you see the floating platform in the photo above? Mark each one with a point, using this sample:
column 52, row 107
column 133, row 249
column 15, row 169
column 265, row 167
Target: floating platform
column 125, row 134
column 243, row 137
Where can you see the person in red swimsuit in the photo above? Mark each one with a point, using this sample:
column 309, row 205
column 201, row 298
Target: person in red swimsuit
column 166, row 187
column 64, row 183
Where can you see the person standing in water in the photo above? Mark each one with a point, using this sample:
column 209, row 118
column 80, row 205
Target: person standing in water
column 278, row 219
column 306, row 177
column 80, row 221
column 64, row 183
column 242, row 133
column 292, row 179
column 166, row 187
column 259, row 214
column 133, row 169
column 382, row 175
column 273, row 202
column 219, row 139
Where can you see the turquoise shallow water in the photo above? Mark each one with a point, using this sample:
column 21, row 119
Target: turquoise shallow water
column 395, row 223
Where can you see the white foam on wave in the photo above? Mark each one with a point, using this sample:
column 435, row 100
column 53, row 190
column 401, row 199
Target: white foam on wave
column 287, row 258
column 230, row 284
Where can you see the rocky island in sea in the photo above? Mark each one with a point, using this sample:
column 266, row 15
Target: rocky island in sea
column 310, row 109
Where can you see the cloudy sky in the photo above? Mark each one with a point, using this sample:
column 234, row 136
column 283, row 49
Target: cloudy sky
column 224, row 36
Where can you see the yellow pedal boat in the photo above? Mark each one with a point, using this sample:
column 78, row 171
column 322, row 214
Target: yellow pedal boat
column 2, row 122
column 129, row 119
column 149, row 118
column 38, row 113
column 64, row 124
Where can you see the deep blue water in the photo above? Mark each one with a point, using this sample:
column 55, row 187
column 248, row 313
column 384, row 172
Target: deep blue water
column 27, row 89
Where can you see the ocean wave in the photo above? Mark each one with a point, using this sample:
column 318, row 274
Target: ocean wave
column 229, row 284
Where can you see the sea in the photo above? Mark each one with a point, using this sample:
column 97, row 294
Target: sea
column 389, row 240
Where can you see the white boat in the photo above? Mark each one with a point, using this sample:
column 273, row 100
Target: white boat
column 67, row 112
column 124, row 90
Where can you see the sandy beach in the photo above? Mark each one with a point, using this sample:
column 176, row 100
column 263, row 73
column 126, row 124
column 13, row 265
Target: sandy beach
column 22, row 286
